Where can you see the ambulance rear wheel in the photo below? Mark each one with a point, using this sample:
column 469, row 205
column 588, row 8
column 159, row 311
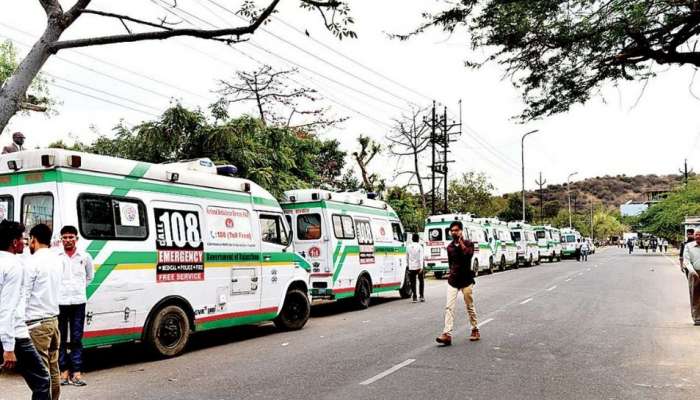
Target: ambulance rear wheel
column 363, row 291
column 503, row 265
column 492, row 266
column 475, row 268
column 529, row 262
column 168, row 332
column 438, row 274
column 295, row 311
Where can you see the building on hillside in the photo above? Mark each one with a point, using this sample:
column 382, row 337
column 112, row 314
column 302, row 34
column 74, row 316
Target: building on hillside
column 635, row 207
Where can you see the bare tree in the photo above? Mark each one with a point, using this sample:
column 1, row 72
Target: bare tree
column 409, row 138
column 277, row 101
column 368, row 150
column 335, row 15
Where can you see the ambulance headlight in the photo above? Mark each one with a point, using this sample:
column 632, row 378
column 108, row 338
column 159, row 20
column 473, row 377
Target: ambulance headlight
column 14, row 165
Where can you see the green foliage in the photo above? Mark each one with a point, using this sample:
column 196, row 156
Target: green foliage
column 276, row 158
column 471, row 193
column 408, row 206
column 606, row 222
column 514, row 209
column 561, row 52
column 664, row 219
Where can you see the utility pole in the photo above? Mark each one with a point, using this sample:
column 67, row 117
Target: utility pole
column 432, row 165
column 592, row 234
column 541, row 182
column 568, row 190
column 522, row 170
column 685, row 172
column 440, row 147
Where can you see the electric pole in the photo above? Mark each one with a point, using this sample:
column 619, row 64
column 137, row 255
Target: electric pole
column 441, row 136
column 685, row 172
column 432, row 164
column 541, row 182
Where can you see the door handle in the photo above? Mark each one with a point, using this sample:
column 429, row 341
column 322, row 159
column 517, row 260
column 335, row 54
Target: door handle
column 267, row 258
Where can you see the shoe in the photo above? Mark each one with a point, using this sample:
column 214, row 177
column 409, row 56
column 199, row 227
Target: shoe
column 422, row 299
column 79, row 382
column 475, row 335
column 444, row 339
column 697, row 323
column 65, row 382
column 415, row 300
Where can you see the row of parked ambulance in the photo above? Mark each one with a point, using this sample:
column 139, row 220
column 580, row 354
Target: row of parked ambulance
column 498, row 245
column 188, row 246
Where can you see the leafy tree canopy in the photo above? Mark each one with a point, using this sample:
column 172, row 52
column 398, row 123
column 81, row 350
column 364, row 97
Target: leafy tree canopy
column 664, row 219
column 471, row 193
column 560, row 52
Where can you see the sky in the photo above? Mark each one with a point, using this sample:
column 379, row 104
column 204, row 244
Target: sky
column 631, row 129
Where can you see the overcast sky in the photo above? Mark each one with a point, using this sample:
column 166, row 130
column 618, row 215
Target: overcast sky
column 619, row 132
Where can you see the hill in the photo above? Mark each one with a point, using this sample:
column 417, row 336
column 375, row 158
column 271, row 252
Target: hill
column 609, row 191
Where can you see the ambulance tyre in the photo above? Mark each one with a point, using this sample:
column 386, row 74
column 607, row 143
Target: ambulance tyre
column 475, row 268
column 438, row 274
column 168, row 331
column 539, row 259
column 363, row 291
column 503, row 265
column 492, row 266
column 528, row 263
column 295, row 311
column 406, row 291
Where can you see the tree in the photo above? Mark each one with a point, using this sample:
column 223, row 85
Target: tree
column 551, row 209
column 275, row 157
column 409, row 208
column 409, row 139
column 38, row 97
column 514, row 210
column 664, row 219
column 471, row 193
column 368, row 150
column 276, row 101
column 335, row 15
column 561, row 52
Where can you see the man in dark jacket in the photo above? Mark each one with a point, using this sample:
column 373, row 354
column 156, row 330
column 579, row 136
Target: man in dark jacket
column 461, row 279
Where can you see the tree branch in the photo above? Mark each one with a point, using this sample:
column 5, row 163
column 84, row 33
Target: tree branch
column 125, row 17
column 166, row 34
column 74, row 12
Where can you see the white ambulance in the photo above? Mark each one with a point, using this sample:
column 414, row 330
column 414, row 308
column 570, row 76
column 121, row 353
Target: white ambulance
column 177, row 247
column 355, row 244
column 437, row 238
column 570, row 239
column 500, row 241
column 549, row 242
column 524, row 237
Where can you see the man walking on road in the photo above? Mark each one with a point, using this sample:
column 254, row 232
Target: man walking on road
column 415, row 267
column 630, row 245
column 461, row 279
column 585, row 248
column 42, row 284
column 16, row 346
column 690, row 237
column 78, row 271
column 691, row 259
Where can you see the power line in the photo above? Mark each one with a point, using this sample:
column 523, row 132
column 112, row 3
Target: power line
column 102, row 99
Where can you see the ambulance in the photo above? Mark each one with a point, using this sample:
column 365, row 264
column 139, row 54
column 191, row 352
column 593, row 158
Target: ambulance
column 500, row 241
column 549, row 242
column 437, row 238
column 354, row 243
column 524, row 237
column 178, row 248
column 570, row 238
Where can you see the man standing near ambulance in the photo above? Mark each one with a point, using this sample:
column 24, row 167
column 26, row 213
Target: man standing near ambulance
column 78, row 272
column 42, row 282
column 460, row 280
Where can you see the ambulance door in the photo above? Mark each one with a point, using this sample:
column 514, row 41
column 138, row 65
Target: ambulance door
column 384, row 263
column 9, row 203
column 398, row 251
column 277, row 257
column 311, row 242
column 233, row 258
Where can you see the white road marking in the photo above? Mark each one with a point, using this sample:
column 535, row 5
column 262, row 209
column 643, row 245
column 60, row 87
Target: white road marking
column 484, row 322
column 285, row 344
column 552, row 288
column 568, row 280
column 588, row 269
column 526, row 301
column 387, row 372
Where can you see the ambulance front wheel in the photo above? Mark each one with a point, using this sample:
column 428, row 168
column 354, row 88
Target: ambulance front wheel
column 168, row 332
column 295, row 311
column 363, row 292
column 438, row 274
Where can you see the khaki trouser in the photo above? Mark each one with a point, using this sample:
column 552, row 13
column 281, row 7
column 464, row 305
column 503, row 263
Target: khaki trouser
column 694, row 287
column 47, row 341
column 450, row 307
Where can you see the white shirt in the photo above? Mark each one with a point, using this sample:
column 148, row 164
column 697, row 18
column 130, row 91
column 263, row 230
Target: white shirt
column 415, row 256
column 12, row 301
column 78, row 271
column 691, row 256
column 42, row 284
column 585, row 246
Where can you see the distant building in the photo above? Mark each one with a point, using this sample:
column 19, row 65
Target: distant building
column 633, row 208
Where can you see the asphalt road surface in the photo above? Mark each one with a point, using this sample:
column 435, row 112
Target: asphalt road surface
column 616, row 327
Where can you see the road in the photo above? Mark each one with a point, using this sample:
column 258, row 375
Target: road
column 617, row 327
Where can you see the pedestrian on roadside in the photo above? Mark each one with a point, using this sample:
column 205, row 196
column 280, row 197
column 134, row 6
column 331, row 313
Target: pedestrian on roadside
column 460, row 279
column 585, row 248
column 415, row 267
column 691, row 260
column 689, row 238
column 630, row 245
column 78, row 272
column 18, row 351
column 42, row 284
column 665, row 246
column 578, row 250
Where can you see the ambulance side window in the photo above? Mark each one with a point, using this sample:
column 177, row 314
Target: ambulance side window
column 398, row 233
column 289, row 224
column 272, row 230
column 7, row 208
column 309, row 226
column 111, row 218
column 343, row 227
column 37, row 209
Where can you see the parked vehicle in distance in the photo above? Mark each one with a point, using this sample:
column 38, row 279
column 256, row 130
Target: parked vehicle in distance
column 570, row 238
column 437, row 234
column 549, row 242
column 528, row 252
column 500, row 241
